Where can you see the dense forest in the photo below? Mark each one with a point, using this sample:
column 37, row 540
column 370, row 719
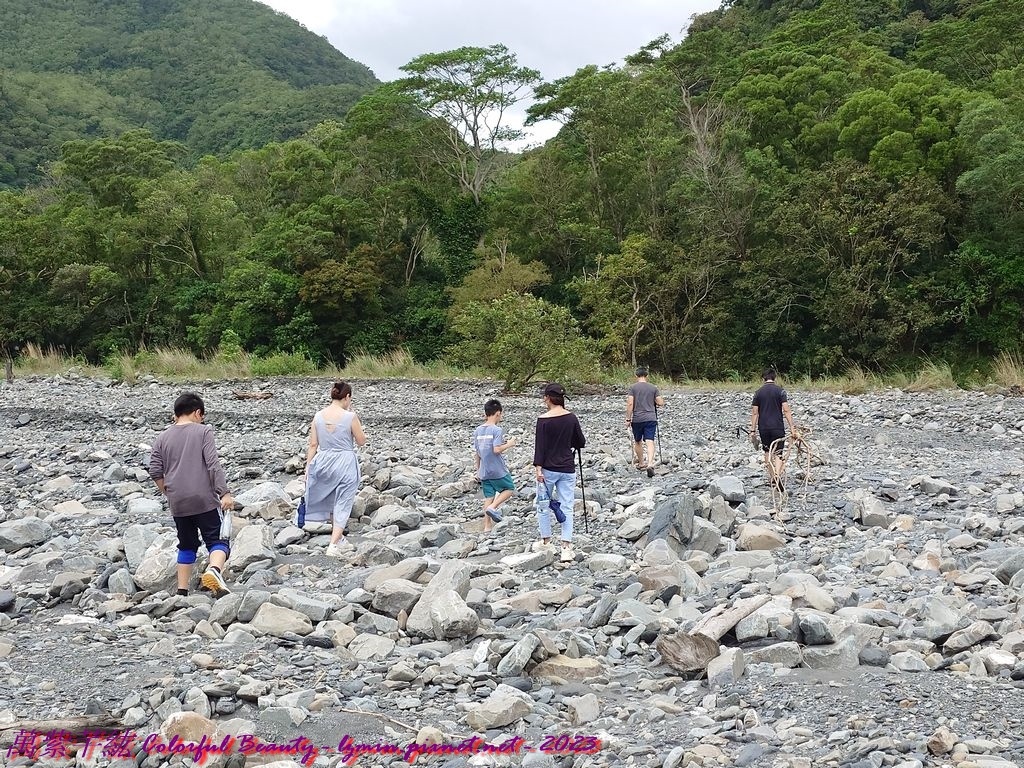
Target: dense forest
column 215, row 75
column 810, row 183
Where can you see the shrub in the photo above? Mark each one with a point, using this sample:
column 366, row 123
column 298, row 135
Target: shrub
column 283, row 364
column 523, row 338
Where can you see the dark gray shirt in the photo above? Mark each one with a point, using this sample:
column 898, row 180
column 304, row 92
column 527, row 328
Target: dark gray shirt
column 643, row 402
column 185, row 456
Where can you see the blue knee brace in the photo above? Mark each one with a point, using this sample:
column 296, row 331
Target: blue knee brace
column 186, row 556
column 222, row 547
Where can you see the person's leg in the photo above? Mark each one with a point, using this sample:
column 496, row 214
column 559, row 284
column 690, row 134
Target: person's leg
column 780, row 465
column 566, row 484
column 543, row 510
column 501, row 498
column 344, row 498
column 638, row 444
column 188, row 546
column 488, row 504
column 774, row 444
column 210, row 524
column 650, row 452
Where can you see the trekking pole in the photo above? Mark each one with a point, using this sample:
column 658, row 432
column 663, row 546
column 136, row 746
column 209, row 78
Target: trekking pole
column 632, row 448
column 657, row 428
column 583, row 492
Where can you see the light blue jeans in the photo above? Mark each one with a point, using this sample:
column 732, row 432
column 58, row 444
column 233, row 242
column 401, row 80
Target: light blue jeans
column 563, row 485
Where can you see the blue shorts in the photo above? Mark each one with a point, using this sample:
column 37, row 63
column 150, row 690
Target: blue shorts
column 644, row 430
column 496, row 486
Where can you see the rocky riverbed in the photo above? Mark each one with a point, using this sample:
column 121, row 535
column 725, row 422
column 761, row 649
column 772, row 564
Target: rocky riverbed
column 887, row 626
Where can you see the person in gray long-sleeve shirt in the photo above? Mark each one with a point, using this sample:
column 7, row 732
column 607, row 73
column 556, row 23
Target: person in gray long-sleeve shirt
column 185, row 466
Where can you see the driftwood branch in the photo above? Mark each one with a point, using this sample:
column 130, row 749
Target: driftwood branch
column 239, row 395
column 72, row 726
column 692, row 651
column 718, row 621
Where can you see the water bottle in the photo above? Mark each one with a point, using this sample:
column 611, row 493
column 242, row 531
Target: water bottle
column 302, row 512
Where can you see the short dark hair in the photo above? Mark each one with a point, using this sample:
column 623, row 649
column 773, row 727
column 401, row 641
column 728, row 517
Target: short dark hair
column 769, row 374
column 492, row 407
column 641, row 370
column 340, row 390
column 188, row 402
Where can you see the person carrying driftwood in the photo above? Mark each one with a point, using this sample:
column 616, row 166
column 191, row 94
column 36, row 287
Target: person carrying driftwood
column 769, row 414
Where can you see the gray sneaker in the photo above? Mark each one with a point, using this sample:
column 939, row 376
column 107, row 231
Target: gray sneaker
column 494, row 514
column 213, row 581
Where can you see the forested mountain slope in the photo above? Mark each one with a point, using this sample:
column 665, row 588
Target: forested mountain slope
column 214, row 74
column 810, row 183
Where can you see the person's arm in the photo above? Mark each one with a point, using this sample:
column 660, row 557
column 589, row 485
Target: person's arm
column 659, row 401
column 787, row 413
column 539, row 451
column 629, row 409
column 357, row 432
column 314, row 443
column 501, row 444
column 753, row 419
column 156, row 468
column 579, row 440
column 216, row 471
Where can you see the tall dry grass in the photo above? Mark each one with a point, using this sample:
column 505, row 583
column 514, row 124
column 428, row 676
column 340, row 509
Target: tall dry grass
column 932, row 376
column 1008, row 370
column 400, row 364
column 37, row 361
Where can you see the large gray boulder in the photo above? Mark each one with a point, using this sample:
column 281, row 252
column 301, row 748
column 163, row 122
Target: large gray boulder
column 393, row 514
column 452, row 577
column 159, row 564
column 396, row 595
column 279, row 621
column 23, row 532
column 252, row 544
column 673, row 522
column 503, row 707
column 136, row 539
column 728, row 487
column 450, row 617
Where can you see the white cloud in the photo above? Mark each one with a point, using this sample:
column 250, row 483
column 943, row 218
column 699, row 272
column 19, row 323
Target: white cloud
column 556, row 37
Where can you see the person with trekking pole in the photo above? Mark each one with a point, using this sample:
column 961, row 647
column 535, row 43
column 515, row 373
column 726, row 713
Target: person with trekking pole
column 558, row 434
column 642, row 417
column 769, row 413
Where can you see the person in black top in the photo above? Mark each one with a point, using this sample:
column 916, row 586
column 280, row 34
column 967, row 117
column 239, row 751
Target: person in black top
column 769, row 414
column 558, row 434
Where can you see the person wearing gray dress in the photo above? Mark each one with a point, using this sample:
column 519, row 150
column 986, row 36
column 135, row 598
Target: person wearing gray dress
column 332, row 466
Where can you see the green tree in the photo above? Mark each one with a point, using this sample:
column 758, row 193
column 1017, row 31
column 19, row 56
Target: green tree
column 499, row 272
column 469, row 90
column 522, row 338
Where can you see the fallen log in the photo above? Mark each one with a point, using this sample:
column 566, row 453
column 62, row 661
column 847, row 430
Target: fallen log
column 692, row 651
column 719, row 620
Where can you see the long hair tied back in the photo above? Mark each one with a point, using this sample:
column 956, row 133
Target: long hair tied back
column 340, row 390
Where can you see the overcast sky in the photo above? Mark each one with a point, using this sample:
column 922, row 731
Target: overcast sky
column 556, row 37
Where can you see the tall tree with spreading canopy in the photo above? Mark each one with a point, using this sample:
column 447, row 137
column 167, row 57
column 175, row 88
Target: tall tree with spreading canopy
column 469, row 90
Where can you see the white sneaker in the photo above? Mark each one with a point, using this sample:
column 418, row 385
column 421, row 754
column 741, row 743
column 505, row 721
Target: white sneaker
column 540, row 546
column 340, row 549
column 568, row 554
